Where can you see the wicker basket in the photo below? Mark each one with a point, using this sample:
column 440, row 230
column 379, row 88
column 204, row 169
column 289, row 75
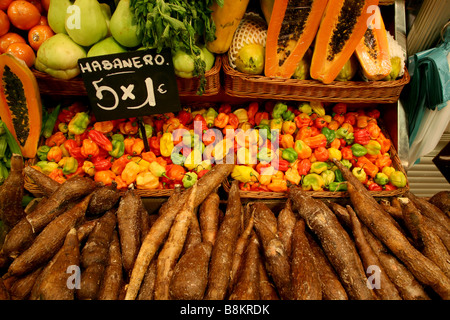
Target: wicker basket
column 257, row 86
column 396, row 163
column 75, row 87
column 386, row 2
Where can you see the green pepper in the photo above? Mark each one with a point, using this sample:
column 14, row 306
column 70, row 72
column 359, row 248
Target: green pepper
column 398, row 179
column 148, row 131
column 313, row 181
column 343, row 133
column 381, row 178
column 328, row 177
column 118, row 145
column 305, row 107
column 42, row 152
column 276, row 123
column 346, row 163
column 210, row 116
column 70, row 165
column 157, row 169
column 265, row 155
column 338, row 175
column 289, row 154
column 79, row 123
column 329, row 134
column 63, row 127
column 358, row 150
column 359, row 173
column 373, row 147
column 337, row 186
column 177, row 158
column 264, row 132
column 189, row 179
column 47, row 166
column 49, row 124
column 318, row 167
column 278, row 110
column 288, row 115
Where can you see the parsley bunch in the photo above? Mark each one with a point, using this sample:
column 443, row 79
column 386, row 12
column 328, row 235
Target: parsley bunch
column 178, row 25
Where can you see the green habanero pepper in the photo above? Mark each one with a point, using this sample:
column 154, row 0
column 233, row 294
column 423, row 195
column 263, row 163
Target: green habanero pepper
column 42, row 152
column 177, row 158
column 79, row 123
column 289, row 154
column 288, row 115
column 373, row 147
column 346, row 163
column 381, row 178
column 338, row 175
column 305, row 107
column 70, row 165
column 318, row 167
column 276, row 124
column 210, row 116
column 47, row 166
column 313, row 181
column 118, row 145
column 265, row 155
column 189, row 179
column 358, row 150
column 328, row 177
column 264, row 132
column 337, row 186
column 278, row 110
column 359, row 173
column 343, row 133
column 398, row 179
column 148, row 131
column 329, row 134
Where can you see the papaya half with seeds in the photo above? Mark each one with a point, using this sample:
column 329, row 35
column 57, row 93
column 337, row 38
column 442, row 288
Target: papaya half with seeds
column 373, row 50
column 341, row 29
column 20, row 103
column 292, row 28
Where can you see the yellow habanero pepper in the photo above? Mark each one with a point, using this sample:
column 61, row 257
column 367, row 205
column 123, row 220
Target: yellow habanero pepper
column 144, row 165
column 244, row 174
column 289, row 127
column 266, row 175
column 89, row 168
column 130, row 172
column 278, row 185
column 292, row 174
column 334, row 153
column 241, row 114
column 166, row 144
column 147, row 180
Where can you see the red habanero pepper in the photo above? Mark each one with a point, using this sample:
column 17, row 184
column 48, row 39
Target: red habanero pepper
column 259, row 116
column 224, row 108
column 233, row 120
column 252, row 109
column 245, row 186
column 350, row 117
column 362, row 136
column 347, row 153
column 201, row 173
column 373, row 113
column 158, row 124
column 261, row 165
column 185, row 117
column 303, row 132
column 303, row 120
column 283, row 165
column 101, row 164
column 70, row 144
column 89, row 149
column 389, row 187
column 100, row 139
column 315, row 131
column 339, row 118
column 119, row 164
column 316, row 141
column 65, row 115
column 321, row 154
column 154, row 144
column 340, row 108
column 375, row 187
column 304, row 166
column 208, row 137
column 175, row 172
column 320, row 122
column 199, row 118
column 269, row 106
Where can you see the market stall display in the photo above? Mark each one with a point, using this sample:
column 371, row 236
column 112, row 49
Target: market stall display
column 280, row 183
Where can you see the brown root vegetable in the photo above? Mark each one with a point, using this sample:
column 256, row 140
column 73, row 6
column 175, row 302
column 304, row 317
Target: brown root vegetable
column 85, row 229
column 407, row 285
column 285, row 225
column 277, row 261
column 383, row 288
column 306, row 283
column 24, row 232
column 50, row 240
column 146, row 221
column 94, row 256
column 430, row 210
column 159, row 230
column 222, row 251
column 335, row 242
column 194, row 235
column 4, row 293
column 442, row 201
column 44, row 183
column 190, row 276
column 247, row 285
column 148, row 283
column 267, row 289
column 112, row 279
column 21, row 287
column 393, row 208
column 129, row 226
column 423, row 269
column 438, row 229
column 11, row 193
column 433, row 247
column 172, row 248
column 103, row 199
column 241, row 245
column 209, row 217
column 332, row 288
column 54, row 282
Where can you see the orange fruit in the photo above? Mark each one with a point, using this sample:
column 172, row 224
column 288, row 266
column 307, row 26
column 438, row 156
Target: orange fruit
column 45, row 4
column 9, row 38
column 37, row 4
column 22, row 51
column 4, row 23
column 23, row 14
column 4, row 4
column 43, row 21
column 38, row 34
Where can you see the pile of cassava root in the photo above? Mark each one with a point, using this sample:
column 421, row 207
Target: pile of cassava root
column 85, row 241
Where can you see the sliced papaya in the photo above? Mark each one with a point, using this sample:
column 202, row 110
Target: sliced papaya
column 20, row 103
column 292, row 28
column 373, row 50
column 342, row 28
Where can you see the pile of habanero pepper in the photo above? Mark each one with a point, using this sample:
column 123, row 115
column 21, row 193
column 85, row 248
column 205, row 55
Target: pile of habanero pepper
column 301, row 136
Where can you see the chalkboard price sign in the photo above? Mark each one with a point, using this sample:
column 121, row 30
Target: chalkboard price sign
column 130, row 84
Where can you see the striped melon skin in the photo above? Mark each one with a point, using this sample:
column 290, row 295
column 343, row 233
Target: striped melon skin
column 252, row 29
